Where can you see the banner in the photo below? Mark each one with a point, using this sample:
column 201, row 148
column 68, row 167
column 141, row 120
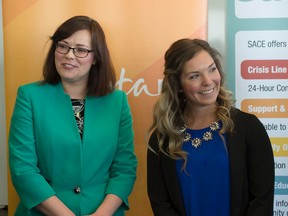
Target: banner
column 138, row 34
column 258, row 53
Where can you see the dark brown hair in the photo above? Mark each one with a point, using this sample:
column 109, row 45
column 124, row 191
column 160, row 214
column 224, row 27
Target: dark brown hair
column 102, row 77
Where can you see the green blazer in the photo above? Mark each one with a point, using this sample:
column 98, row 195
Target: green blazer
column 47, row 156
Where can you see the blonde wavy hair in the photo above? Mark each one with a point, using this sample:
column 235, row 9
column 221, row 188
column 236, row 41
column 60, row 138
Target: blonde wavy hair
column 168, row 116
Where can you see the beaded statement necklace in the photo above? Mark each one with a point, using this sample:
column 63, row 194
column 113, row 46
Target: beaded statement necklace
column 196, row 142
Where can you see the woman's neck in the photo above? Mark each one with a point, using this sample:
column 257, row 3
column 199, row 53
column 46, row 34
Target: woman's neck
column 201, row 117
column 74, row 90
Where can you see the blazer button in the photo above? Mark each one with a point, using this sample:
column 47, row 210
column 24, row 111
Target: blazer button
column 77, row 190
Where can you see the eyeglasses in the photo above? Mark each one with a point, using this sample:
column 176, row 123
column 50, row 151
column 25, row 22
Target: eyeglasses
column 77, row 51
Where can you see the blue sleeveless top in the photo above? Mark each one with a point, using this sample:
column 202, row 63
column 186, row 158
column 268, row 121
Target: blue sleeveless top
column 205, row 185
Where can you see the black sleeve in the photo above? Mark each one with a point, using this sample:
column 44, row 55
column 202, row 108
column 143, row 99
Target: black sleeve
column 260, row 161
column 158, row 193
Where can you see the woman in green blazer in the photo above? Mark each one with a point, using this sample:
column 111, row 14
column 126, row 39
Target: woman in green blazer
column 71, row 149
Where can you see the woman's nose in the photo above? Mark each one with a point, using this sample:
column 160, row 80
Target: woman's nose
column 70, row 54
column 206, row 79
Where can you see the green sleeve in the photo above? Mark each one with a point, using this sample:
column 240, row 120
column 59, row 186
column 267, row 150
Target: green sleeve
column 30, row 185
column 123, row 169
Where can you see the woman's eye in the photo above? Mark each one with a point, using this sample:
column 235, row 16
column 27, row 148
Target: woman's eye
column 193, row 76
column 213, row 69
column 81, row 50
column 62, row 46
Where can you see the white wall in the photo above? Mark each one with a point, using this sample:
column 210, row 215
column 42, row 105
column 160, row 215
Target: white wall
column 217, row 25
column 3, row 156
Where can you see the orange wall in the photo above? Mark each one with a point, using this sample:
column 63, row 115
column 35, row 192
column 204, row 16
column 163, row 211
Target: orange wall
column 138, row 34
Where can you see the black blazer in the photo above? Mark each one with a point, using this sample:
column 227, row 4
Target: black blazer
column 251, row 172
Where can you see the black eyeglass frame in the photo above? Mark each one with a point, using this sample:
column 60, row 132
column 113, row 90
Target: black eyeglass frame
column 73, row 50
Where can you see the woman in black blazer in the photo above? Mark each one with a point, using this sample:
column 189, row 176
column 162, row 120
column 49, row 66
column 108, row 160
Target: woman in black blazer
column 205, row 157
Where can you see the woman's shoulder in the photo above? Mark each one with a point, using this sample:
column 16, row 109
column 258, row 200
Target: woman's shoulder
column 37, row 85
column 30, row 85
column 242, row 116
column 237, row 112
column 116, row 98
column 40, row 90
column 116, row 94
